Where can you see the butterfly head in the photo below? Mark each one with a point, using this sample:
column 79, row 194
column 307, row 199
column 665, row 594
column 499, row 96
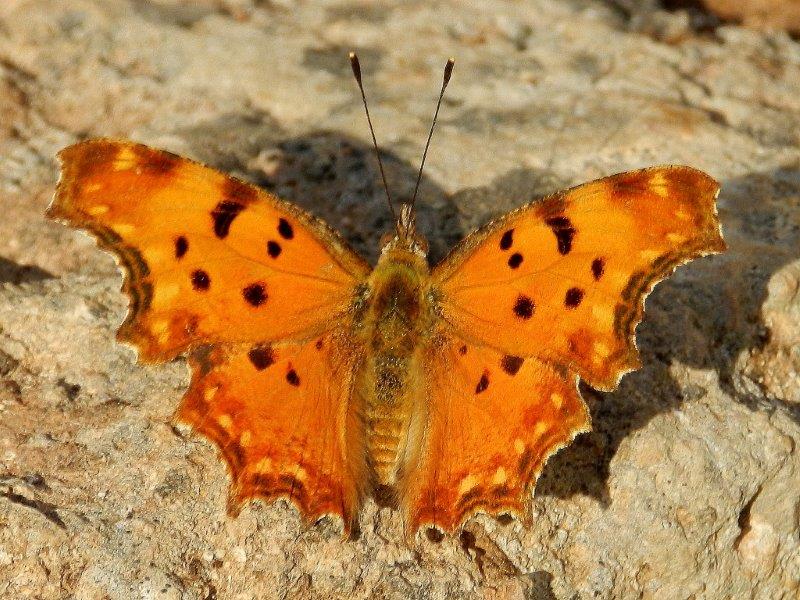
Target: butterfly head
column 405, row 236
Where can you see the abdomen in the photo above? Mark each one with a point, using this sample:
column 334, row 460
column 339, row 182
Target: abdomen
column 389, row 385
column 389, row 382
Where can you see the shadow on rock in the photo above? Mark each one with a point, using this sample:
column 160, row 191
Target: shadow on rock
column 11, row 272
column 704, row 317
column 330, row 174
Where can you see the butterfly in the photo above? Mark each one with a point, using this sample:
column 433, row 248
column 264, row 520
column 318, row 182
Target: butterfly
column 440, row 391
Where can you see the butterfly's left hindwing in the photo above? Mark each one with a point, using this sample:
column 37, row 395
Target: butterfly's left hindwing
column 281, row 415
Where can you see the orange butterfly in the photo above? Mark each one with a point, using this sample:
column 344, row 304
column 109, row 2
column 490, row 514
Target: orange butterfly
column 324, row 380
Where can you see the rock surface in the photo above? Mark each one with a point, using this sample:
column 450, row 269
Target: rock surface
column 688, row 486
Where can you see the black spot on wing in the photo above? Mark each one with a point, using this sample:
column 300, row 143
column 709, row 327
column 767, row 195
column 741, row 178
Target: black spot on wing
column 261, row 357
column 181, row 246
column 255, row 294
column 507, row 240
column 293, row 378
column 285, row 229
column 223, row 215
column 524, row 307
column 573, row 297
column 273, row 249
column 515, row 260
column 598, row 267
column 564, row 232
column 463, row 350
column 483, row 383
column 200, row 280
column 511, row 364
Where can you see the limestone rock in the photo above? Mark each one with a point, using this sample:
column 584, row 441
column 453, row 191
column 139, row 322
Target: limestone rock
column 687, row 487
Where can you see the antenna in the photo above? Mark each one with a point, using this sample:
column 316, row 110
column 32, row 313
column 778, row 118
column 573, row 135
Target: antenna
column 448, row 71
column 357, row 74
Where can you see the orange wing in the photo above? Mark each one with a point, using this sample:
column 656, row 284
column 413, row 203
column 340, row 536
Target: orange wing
column 493, row 421
column 564, row 279
column 279, row 414
column 255, row 289
column 546, row 294
column 208, row 258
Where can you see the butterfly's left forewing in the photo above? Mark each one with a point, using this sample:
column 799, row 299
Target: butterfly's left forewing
column 207, row 258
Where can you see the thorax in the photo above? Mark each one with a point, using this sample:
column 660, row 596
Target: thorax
column 399, row 310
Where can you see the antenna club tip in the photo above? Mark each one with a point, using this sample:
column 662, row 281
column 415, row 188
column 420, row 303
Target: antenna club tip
column 448, row 70
column 356, row 66
column 352, row 55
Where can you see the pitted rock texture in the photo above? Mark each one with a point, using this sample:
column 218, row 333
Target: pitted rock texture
column 688, row 485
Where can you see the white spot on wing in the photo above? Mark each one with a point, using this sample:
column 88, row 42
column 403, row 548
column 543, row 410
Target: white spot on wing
column 226, row 422
column 164, row 293
column 469, row 482
column 499, row 476
column 124, row 159
column 123, row 228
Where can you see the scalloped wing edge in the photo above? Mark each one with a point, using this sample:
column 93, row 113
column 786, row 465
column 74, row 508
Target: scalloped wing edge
column 236, row 501
column 712, row 243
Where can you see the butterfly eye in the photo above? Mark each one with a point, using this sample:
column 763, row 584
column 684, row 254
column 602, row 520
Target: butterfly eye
column 421, row 243
column 386, row 238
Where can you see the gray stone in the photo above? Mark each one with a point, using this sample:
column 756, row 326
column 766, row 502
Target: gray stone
column 688, row 485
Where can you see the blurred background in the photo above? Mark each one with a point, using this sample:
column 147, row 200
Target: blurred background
column 687, row 487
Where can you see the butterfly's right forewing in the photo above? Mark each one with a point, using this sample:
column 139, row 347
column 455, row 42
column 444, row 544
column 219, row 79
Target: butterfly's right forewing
column 564, row 279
